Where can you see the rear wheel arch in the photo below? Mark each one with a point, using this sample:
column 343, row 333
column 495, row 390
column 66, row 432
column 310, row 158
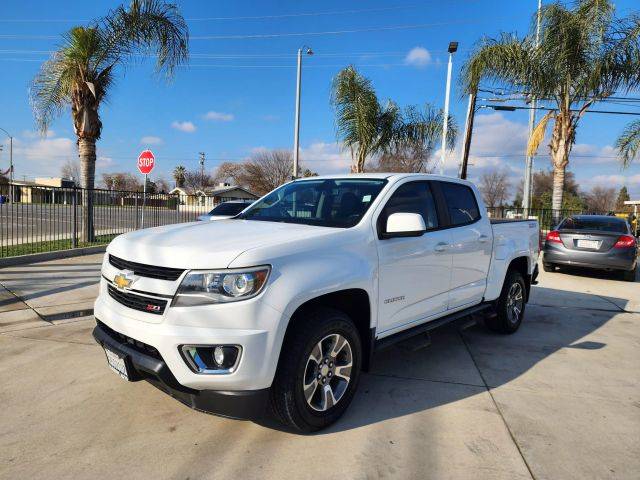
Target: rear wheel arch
column 521, row 265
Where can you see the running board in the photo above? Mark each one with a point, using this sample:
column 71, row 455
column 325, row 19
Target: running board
column 432, row 325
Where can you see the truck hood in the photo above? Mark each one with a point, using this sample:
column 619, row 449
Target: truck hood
column 207, row 245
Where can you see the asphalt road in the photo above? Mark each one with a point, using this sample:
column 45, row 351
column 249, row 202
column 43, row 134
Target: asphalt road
column 25, row 223
column 559, row 399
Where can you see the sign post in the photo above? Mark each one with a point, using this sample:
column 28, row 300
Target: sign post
column 146, row 162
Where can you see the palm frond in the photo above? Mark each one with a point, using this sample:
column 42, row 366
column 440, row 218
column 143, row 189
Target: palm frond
column 538, row 134
column 628, row 143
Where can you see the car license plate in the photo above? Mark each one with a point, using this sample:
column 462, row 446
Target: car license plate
column 592, row 244
column 117, row 363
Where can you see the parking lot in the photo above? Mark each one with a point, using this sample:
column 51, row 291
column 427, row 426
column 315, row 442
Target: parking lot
column 559, row 399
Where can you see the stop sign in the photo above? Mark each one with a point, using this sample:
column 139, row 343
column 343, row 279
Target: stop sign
column 146, row 161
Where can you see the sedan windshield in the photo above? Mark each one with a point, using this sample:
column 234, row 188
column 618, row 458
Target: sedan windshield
column 327, row 203
column 594, row 224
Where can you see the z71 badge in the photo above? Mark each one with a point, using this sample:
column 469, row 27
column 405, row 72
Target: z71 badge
column 394, row 299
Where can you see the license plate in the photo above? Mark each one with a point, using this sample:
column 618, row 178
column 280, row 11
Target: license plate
column 592, row 244
column 117, row 363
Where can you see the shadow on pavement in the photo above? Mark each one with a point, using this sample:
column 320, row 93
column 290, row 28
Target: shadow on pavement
column 459, row 364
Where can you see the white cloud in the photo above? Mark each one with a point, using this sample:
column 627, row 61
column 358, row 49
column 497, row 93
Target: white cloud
column 32, row 134
column 151, row 140
column 325, row 158
column 40, row 157
column 219, row 116
column 418, row 57
column 186, row 126
column 103, row 161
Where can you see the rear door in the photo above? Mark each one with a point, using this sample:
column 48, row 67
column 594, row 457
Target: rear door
column 414, row 272
column 471, row 245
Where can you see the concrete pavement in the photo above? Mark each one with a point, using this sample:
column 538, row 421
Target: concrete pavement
column 558, row 399
column 46, row 293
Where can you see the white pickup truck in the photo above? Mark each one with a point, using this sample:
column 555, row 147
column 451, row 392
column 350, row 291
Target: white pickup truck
column 280, row 308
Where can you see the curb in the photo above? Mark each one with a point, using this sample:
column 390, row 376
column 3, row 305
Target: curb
column 67, row 315
column 46, row 256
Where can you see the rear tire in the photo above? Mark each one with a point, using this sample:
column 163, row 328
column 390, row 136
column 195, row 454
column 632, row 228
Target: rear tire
column 510, row 305
column 629, row 275
column 314, row 384
column 548, row 267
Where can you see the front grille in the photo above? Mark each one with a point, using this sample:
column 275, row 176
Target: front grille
column 132, row 342
column 151, row 305
column 150, row 271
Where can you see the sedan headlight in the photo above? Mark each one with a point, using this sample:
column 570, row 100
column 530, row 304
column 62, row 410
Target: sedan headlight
column 220, row 286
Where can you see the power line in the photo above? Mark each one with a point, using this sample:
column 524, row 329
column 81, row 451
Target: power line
column 246, row 17
column 288, row 34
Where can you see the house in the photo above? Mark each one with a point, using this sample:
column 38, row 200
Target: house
column 212, row 196
column 43, row 190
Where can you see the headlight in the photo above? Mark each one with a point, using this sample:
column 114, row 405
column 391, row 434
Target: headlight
column 220, row 286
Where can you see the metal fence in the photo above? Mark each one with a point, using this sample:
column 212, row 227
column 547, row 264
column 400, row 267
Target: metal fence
column 547, row 217
column 40, row 219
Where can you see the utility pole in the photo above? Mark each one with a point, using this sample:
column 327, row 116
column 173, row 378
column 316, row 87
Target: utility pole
column 453, row 47
column 468, row 132
column 202, row 170
column 296, row 126
column 528, row 171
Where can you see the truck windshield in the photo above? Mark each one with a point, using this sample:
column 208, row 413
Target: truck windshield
column 327, row 203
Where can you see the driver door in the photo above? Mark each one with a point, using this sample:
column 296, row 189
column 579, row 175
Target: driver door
column 414, row 272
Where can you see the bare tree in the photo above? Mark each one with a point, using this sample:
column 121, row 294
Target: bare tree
column 601, row 199
column 228, row 172
column 266, row 170
column 71, row 169
column 494, row 187
column 121, row 181
column 194, row 180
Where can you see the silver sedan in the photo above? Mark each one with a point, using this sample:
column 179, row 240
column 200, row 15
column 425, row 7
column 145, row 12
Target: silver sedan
column 592, row 241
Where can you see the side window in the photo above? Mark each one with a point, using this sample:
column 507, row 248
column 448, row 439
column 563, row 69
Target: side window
column 461, row 203
column 412, row 197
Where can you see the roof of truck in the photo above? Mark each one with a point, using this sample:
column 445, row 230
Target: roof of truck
column 382, row 175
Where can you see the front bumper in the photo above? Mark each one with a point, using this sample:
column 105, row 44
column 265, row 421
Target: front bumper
column 145, row 363
column 614, row 259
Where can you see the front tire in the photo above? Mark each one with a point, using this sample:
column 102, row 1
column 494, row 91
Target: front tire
column 510, row 305
column 318, row 371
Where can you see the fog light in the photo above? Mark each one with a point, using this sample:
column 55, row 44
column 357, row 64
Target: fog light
column 218, row 356
column 212, row 359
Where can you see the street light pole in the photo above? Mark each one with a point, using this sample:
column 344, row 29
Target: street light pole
column 10, row 155
column 296, row 132
column 528, row 171
column 453, row 46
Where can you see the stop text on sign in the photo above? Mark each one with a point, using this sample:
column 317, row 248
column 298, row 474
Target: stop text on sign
column 146, row 162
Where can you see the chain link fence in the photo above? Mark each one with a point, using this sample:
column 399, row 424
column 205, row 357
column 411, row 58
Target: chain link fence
column 37, row 219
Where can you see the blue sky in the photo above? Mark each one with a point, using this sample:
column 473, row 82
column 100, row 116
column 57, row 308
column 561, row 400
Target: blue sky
column 237, row 94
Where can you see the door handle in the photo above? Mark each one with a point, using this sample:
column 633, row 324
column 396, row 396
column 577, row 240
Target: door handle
column 441, row 246
column 483, row 239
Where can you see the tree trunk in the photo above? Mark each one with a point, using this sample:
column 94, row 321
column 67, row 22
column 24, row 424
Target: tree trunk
column 558, row 191
column 87, row 153
column 562, row 140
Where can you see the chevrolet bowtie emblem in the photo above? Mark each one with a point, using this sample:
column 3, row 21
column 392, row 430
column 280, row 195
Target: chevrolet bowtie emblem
column 123, row 280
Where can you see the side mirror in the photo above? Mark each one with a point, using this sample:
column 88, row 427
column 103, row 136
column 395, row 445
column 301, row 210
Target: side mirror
column 405, row 225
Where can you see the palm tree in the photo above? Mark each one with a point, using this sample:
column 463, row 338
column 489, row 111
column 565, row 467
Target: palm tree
column 628, row 143
column 367, row 128
column 179, row 175
column 358, row 115
column 585, row 54
column 82, row 71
